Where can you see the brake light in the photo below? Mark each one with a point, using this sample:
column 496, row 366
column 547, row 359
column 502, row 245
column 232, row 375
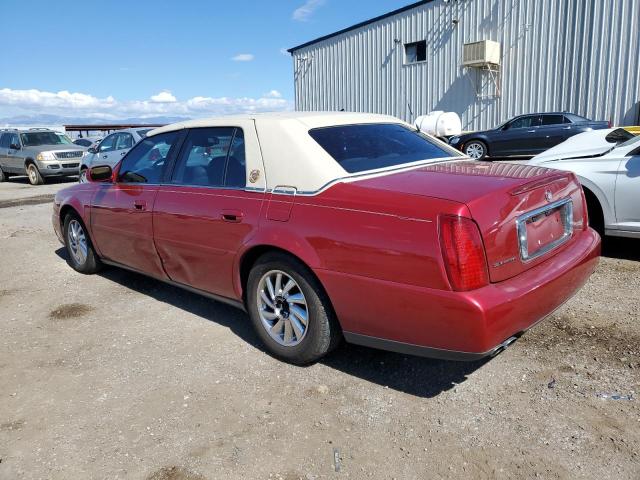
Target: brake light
column 463, row 253
column 585, row 210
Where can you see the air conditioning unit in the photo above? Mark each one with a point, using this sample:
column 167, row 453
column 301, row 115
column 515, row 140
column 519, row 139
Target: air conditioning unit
column 485, row 52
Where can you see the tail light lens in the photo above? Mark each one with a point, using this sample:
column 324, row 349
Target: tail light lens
column 585, row 211
column 463, row 253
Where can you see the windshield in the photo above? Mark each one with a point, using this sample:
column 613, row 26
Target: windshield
column 358, row 148
column 65, row 140
column 631, row 141
column 41, row 138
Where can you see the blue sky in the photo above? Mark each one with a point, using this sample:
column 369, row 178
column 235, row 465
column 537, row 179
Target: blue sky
column 139, row 58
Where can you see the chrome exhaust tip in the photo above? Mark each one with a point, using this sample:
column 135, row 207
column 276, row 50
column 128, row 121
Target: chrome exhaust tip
column 500, row 348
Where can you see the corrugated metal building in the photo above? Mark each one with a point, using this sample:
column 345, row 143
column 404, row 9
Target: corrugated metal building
column 580, row 56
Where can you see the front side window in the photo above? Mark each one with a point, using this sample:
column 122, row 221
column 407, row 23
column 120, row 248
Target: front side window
column 108, row 144
column 146, row 162
column 14, row 140
column 358, row 148
column 526, row 122
column 208, row 157
column 124, row 141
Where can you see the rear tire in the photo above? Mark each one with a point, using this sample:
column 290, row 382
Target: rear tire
column 34, row 175
column 278, row 312
column 476, row 149
column 80, row 253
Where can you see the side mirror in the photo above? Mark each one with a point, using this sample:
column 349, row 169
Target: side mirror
column 102, row 173
column 506, row 126
column 14, row 146
column 92, row 150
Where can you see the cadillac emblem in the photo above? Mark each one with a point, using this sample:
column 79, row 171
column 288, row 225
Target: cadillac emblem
column 254, row 176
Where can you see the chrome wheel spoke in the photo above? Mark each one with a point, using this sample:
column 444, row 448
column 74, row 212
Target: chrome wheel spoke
column 277, row 327
column 300, row 314
column 270, row 288
column 268, row 315
column 288, row 332
column 290, row 284
column 266, row 300
column 278, row 287
column 297, row 298
column 298, row 328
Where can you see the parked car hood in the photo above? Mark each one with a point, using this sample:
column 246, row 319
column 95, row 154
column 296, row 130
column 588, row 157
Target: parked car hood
column 56, row 148
column 587, row 144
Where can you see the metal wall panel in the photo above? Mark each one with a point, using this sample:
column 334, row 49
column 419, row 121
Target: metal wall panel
column 580, row 56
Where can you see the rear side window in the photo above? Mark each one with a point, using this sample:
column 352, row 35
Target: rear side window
column 358, row 148
column 553, row 119
column 212, row 157
column 4, row 140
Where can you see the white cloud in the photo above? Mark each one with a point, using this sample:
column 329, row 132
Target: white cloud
column 164, row 103
column 243, row 57
column 304, row 12
column 164, row 97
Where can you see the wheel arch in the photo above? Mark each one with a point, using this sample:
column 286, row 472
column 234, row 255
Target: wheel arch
column 593, row 192
column 477, row 138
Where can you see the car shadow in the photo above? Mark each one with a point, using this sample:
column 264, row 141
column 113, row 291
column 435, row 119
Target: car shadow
column 418, row 376
column 48, row 181
column 621, row 248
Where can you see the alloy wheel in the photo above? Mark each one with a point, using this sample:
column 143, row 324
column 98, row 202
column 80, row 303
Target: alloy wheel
column 282, row 308
column 33, row 175
column 77, row 242
column 475, row 150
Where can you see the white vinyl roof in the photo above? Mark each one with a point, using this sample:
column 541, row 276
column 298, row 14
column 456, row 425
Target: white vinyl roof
column 282, row 149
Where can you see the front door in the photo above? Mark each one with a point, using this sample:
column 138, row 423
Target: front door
column 121, row 212
column 206, row 213
column 628, row 193
column 520, row 137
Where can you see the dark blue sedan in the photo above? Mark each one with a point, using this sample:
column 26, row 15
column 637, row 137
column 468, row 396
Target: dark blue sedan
column 524, row 135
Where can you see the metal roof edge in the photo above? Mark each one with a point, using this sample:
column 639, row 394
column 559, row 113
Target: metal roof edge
column 359, row 25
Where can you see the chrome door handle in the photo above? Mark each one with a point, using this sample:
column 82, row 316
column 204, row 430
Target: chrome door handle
column 531, row 131
column 232, row 216
column 105, row 156
column 123, row 153
column 140, row 205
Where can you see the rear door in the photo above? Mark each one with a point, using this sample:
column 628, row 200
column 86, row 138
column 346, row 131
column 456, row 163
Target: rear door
column 208, row 211
column 106, row 149
column 15, row 157
column 520, row 137
column 4, row 146
column 121, row 212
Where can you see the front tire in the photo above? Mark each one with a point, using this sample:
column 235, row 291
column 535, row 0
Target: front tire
column 290, row 311
column 34, row 175
column 80, row 253
column 476, row 149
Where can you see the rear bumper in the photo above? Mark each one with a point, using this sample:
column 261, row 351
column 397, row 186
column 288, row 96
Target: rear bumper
column 458, row 325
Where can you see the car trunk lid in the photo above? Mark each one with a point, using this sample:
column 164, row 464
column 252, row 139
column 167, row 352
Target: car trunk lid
column 525, row 214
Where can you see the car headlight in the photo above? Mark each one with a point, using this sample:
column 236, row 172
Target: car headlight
column 44, row 156
column 454, row 140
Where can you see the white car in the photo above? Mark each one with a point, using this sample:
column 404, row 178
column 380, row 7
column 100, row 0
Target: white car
column 607, row 163
column 111, row 150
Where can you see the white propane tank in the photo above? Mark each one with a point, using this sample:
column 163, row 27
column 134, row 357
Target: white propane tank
column 439, row 123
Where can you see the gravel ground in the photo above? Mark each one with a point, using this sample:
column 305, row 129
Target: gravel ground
column 119, row 376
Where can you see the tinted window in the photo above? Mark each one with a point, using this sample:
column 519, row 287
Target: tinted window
column 203, row 158
column 146, row 162
column 124, row 141
column 83, row 142
column 552, row 119
column 526, row 122
column 576, row 118
column 40, row 138
column 108, row 144
column 4, row 140
column 358, row 148
column 14, row 140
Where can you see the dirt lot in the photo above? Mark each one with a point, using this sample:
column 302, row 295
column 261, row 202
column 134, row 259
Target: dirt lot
column 119, row 376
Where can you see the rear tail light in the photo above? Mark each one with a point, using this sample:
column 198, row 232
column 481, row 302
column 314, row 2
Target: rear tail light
column 585, row 211
column 463, row 253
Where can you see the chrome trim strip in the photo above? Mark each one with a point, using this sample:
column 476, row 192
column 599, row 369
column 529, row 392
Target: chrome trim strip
column 566, row 206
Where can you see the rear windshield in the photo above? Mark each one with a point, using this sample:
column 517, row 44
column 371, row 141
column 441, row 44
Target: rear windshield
column 41, row 138
column 358, row 148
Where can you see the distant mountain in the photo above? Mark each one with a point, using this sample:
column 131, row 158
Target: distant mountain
column 33, row 120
